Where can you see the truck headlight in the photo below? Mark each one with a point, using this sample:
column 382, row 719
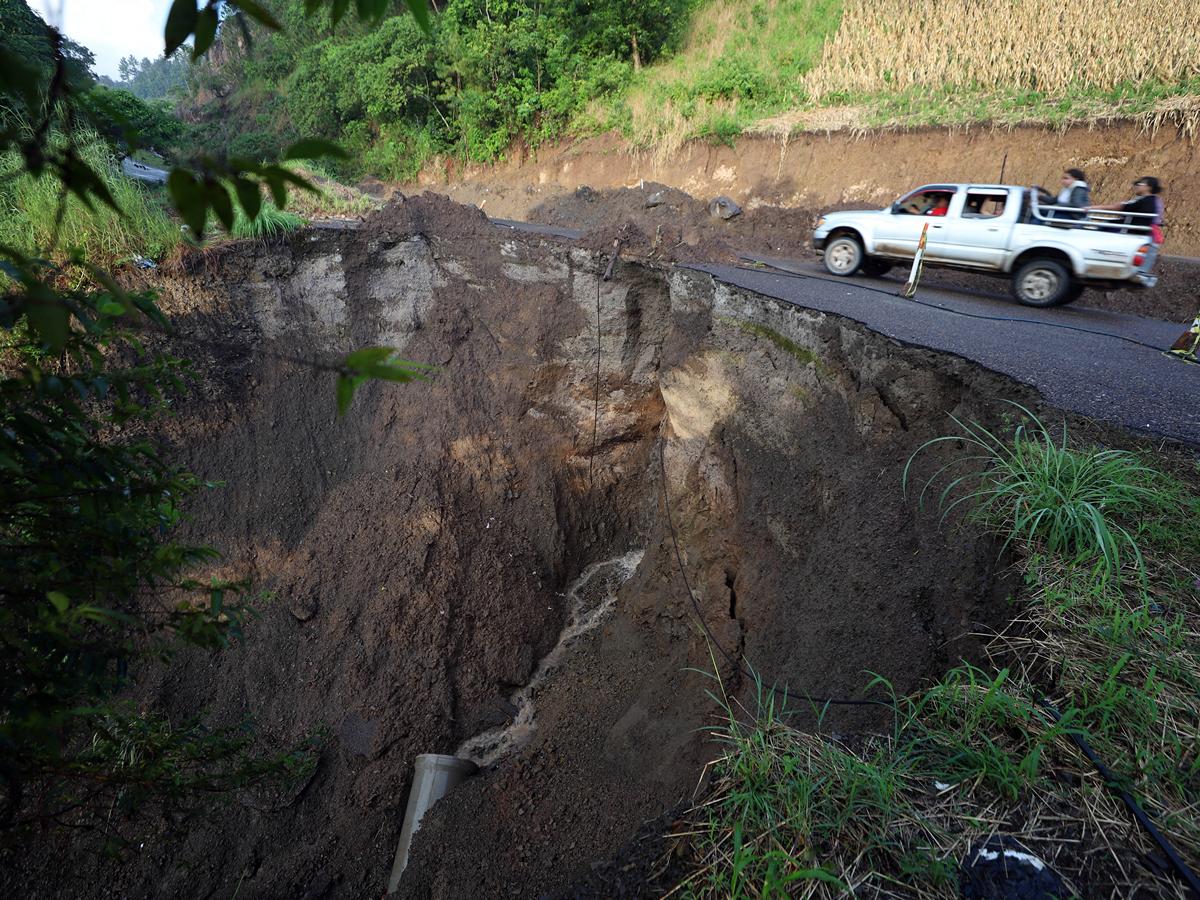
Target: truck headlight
column 821, row 222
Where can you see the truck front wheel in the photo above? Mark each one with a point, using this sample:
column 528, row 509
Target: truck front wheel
column 1042, row 282
column 843, row 254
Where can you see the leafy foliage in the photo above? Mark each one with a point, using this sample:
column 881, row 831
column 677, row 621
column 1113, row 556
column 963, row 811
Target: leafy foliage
column 485, row 75
column 130, row 123
column 92, row 587
column 154, row 79
column 34, row 220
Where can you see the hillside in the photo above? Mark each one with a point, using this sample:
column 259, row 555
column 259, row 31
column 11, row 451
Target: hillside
column 524, row 73
column 785, row 66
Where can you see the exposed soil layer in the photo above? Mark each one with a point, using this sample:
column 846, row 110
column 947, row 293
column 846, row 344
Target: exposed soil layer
column 417, row 551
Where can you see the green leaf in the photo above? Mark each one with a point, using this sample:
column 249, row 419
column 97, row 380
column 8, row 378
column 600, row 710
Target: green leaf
column 345, row 392
column 206, row 32
column 337, row 10
column 188, row 196
column 256, row 12
column 315, row 148
column 249, row 196
column 311, row 6
column 278, row 188
column 181, row 22
column 371, row 9
column 60, row 600
column 218, row 196
column 367, row 356
column 50, row 319
column 420, row 11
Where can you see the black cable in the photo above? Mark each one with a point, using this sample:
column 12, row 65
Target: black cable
column 788, row 273
column 1143, row 819
column 785, row 690
column 596, row 399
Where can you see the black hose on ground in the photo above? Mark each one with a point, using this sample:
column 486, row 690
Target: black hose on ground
column 1143, row 819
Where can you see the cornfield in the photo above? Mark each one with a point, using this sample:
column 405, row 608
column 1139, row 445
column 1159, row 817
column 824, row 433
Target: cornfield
column 1038, row 45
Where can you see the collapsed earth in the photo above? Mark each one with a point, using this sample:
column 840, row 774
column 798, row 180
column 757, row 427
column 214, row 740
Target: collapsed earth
column 619, row 545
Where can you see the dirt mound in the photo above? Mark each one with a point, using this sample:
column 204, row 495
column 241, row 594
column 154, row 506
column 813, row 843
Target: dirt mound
column 419, row 552
column 677, row 222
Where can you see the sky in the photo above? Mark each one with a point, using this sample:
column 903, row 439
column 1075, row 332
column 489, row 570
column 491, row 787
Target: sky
column 109, row 28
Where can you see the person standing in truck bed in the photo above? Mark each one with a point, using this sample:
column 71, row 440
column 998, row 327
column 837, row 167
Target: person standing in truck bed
column 1075, row 193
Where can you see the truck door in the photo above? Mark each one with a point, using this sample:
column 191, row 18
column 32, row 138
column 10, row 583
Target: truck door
column 897, row 234
column 978, row 236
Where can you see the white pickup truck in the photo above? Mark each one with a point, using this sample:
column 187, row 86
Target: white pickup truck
column 1052, row 253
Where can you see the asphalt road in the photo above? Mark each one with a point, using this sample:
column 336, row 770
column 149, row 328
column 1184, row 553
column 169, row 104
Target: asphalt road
column 142, row 172
column 1106, row 365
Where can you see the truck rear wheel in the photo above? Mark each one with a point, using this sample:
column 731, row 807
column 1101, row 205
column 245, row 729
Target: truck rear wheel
column 844, row 254
column 1042, row 282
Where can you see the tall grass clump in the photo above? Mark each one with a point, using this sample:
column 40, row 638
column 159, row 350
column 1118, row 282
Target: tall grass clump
column 29, row 209
column 270, row 222
column 1041, row 491
column 1042, row 45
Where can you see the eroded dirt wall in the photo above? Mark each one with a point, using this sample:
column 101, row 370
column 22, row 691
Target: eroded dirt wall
column 823, row 171
column 415, row 553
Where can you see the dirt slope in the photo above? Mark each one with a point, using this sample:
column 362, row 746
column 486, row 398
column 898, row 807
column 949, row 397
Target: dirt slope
column 417, row 551
column 826, row 171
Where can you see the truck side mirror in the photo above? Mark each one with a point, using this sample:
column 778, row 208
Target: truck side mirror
column 895, row 207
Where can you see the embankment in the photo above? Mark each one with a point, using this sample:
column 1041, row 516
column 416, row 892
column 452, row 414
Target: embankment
column 820, row 171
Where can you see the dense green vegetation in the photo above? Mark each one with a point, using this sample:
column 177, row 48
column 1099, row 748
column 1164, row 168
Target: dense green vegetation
column 153, row 79
column 31, row 219
column 663, row 72
column 488, row 73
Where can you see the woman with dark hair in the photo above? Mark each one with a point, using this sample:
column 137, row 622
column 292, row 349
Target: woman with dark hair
column 1074, row 193
column 1148, row 204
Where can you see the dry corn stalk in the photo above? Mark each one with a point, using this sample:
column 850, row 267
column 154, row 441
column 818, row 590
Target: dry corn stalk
column 1042, row 45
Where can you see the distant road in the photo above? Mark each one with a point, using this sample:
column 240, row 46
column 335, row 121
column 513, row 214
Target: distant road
column 143, row 172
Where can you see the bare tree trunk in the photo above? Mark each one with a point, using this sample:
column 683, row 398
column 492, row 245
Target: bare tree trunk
column 637, row 59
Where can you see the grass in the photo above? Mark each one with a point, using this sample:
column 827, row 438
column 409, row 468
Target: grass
column 270, row 222
column 742, row 60
column 894, row 45
column 29, row 207
column 802, row 355
column 975, row 754
column 787, row 66
column 1037, row 490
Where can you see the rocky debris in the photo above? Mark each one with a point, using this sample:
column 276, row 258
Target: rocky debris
column 723, row 208
column 586, row 194
column 658, row 198
column 304, row 607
